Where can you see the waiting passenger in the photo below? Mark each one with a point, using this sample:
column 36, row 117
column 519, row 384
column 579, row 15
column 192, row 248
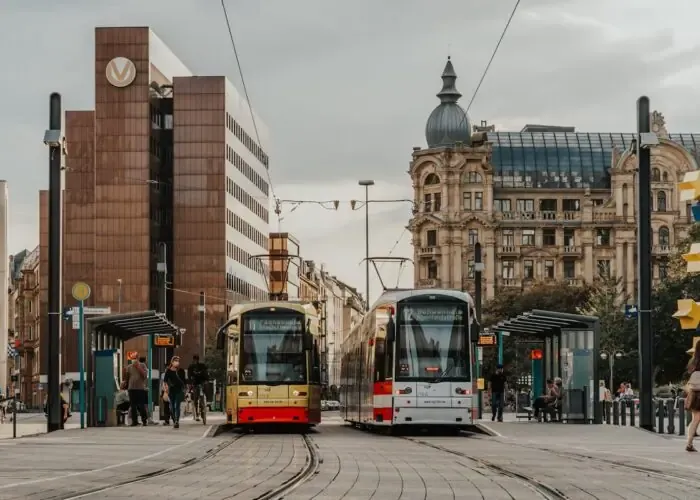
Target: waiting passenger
column 121, row 403
column 550, row 396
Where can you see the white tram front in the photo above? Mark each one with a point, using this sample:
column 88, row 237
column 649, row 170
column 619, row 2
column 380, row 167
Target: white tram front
column 409, row 362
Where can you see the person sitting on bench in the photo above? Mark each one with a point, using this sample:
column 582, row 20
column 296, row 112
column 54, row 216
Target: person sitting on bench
column 550, row 396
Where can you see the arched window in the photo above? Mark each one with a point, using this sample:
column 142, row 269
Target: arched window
column 664, row 176
column 664, row 236
column 655, row 175
column 431, row 180
column 661, row 201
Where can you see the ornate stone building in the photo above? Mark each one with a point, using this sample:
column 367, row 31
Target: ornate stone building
column 545, row 203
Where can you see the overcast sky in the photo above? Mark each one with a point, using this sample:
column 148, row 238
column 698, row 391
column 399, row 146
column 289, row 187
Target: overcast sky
column 345, row 87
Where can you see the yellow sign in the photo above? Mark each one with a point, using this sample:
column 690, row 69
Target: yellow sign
column 164, row 340
column 486, row 340
column 480, row 384
column 81, row 291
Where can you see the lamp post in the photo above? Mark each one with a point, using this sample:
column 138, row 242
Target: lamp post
column 366, row 184
column 613, row 356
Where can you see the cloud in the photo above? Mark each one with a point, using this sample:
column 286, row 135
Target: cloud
column 346, row 87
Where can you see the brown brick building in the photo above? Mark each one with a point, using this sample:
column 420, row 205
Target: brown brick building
column 165, row 158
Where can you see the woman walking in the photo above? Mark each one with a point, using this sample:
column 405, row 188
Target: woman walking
column 174, row 380
column 692, row 399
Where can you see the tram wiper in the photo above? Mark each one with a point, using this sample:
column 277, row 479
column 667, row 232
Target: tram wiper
column 444, row 374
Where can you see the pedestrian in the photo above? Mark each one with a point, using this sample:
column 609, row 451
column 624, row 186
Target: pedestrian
column 175, row 381
column 122, row 404
column 498, row 388
column 136, row 375
column 165, row 401
column 692, row 400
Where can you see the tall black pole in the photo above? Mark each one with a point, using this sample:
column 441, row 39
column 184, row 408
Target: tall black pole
column 477, row 303
column 54, row 286
column 646, row 339
column 202, row 336
column 162, row 268
column 367, row 247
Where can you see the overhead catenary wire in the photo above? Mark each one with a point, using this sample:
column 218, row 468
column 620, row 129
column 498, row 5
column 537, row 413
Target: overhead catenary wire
column 493, row 56
column 247, row 96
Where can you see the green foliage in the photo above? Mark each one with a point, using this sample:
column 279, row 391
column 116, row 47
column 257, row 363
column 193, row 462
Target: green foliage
column 606, row 301
column 215, row 360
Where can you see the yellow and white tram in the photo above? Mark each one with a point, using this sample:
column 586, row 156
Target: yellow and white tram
column 273, row 360
column 409, row 362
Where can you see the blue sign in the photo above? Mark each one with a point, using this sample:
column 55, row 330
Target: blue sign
column 631, row 311
column 695, row 209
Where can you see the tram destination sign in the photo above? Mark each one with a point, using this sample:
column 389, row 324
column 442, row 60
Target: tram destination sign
column 487, row 340
column 293, row 325
column 432, row 313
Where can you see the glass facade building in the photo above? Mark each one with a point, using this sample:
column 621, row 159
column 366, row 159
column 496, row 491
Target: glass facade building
column 559, row 160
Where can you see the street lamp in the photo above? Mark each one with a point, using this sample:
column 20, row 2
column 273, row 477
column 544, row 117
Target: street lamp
column 612, row 356
column 366, row 184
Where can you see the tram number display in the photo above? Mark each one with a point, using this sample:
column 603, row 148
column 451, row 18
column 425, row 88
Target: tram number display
column 486, row 341
column 164, row 340
column 274, row 325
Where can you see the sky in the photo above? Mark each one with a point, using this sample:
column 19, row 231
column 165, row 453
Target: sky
column 345, row 89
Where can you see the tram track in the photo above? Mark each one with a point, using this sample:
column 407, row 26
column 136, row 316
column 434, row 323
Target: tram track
column 544, row 490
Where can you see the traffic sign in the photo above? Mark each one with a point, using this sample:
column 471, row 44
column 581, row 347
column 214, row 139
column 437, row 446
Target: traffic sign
column 92, row 311
column 631, row 311
column 81, row 291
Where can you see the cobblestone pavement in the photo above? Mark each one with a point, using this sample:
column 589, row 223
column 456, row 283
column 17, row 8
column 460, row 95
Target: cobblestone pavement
column 530, row 462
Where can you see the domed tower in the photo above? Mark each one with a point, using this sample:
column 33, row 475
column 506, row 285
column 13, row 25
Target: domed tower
column 448, row 124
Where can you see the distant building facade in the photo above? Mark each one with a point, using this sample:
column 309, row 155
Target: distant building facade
column 546, row 203
column 167, row 160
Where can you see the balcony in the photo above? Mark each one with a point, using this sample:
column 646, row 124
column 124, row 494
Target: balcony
column 573, row 281
column 601, row 217
column 571, row 251
column 542, row 216
column 509, row 282
column 428, row 252
column 661, row 250
column 428, row 283
column 509, row 250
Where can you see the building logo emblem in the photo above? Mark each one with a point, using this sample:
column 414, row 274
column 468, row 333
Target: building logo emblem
column 121, row 72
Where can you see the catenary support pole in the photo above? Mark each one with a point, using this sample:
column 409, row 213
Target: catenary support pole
column 646, row 339
column 202, row 336
column 54, row 260
column 367, row 247
column 477, row 303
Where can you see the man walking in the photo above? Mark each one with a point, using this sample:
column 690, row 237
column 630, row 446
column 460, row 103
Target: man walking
column 498, row 389
column 136, row 375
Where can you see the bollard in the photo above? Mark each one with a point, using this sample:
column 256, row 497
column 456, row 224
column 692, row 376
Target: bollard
column 623, row 412
column 608, row 407
column 660, row 415
column 616, row 412
column 633, row 412
column 101, row 411
column 585, row 404
column 681, row 417
column 671, row 412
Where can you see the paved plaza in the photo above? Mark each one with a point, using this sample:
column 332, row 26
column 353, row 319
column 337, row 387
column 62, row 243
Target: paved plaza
column 518, row 461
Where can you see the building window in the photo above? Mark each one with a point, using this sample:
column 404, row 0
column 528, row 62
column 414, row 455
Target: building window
column 569, row 269
column 473, row 236
column 508, row 238
column 528, row 237
column 604, row 268
column 655, row 175
column 548, row 205
column 664, row 236
column 473, row 178
column 470, row 269
column 549, row 237
column 428, row 203
column 663, row 269
column 569, row 238
column 602, row 237
column 501, row 206
column 528, row 270
column 549, row 269
column 478, row 200
column 437, row 202
column 525, row 205
column 432, row 180
column 431, row 238
column 508, row 269
column 661, row 201
column 571, row 205
column 664, row 176
column 432, row 270
column 467, row 201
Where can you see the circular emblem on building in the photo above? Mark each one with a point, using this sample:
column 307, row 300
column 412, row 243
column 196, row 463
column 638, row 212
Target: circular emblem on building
column 81, row 291
column 121, row 72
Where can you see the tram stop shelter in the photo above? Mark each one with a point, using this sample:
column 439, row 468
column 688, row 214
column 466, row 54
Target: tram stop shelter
column 570, row 349
column 103, row 345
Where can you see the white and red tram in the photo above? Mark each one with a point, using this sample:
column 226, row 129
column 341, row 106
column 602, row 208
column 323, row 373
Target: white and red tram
column 409, row 362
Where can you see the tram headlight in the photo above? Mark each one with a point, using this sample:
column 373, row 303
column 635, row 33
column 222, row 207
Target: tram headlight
column 250, row 393
column 295, row 394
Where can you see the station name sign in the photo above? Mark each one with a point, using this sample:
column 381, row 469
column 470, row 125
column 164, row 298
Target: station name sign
column 282, row 325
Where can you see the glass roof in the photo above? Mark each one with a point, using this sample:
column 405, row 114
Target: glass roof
column 562, row 160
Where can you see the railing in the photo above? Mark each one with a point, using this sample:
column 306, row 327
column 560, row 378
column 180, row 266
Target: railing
column 572, row 249
column 509, row 282
column 428, row 251
column 662, row 249
column 605, row 217
column 670, row 415
column 509, row 249
column 573, row 281
column 544, row 215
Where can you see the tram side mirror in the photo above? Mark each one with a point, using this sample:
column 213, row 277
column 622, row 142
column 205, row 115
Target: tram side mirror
column 221, row 339
column 308, row 342
column 474, row 331
column 391, row 330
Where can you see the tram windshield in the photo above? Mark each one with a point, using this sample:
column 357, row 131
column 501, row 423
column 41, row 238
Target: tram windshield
column 273, row 349
column 432, row 343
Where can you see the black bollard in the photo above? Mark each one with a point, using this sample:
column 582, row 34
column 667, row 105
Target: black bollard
column 623, row 412
column 616, row 412
column 681, row 417
column 660, row 416
column 671, row 413
column 633, row 412
column 608, row 411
